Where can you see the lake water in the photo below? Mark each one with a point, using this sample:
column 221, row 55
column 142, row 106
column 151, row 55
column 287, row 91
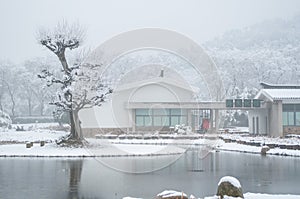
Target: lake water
column 95, row 178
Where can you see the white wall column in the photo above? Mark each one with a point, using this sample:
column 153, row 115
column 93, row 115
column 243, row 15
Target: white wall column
column 133, row 120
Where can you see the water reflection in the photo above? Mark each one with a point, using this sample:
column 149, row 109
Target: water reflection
column 89, row 178
column 40, row 177
column 75, row 169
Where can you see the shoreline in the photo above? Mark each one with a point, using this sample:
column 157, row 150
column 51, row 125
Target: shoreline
column 51, row 150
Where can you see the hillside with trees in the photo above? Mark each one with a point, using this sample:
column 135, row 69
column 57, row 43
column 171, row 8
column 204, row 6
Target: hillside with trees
column 265, row 52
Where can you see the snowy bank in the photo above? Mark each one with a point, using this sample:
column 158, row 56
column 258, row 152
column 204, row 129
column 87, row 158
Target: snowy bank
column 248, row 144
column 94, row 148
column 37, row 135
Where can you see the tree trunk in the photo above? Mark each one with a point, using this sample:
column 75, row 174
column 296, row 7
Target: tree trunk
column 72, row 124
column 12, row 98
column 29, row 107
column 13, row 104
column 77, row 125
column 42, row 107
column 64, row 62
column 76, row 132
column 1, row 107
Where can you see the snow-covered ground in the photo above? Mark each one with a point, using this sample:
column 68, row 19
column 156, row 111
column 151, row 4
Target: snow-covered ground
column 246, row 196
column 292, row 140
column 31, row 136
column 111, row 150
column 260, row 196
column 12, row 143
column 245, row 148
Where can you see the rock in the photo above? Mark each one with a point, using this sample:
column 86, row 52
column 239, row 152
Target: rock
column 264, row 150
column 42, row 143
column 170, row 194
column 229, row 186
column 28, row 144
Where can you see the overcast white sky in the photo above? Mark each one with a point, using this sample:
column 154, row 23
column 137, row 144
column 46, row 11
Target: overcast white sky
column 201, row 20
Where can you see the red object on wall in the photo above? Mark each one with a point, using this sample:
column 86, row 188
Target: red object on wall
column 205, row 124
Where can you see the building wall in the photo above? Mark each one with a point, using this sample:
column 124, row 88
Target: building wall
column 291, row 130
column 258, row 122
column 275, row 114
column 114, row 115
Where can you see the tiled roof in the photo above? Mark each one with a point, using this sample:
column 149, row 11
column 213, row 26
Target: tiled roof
column 279, row 94
column 279, row 86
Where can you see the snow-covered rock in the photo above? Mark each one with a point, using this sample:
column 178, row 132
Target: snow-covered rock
column 264, row 150
column 171, row 194
column 229, row 186
column 232, row 180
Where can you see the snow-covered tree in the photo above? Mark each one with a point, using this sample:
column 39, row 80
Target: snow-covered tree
column 34, row 87
column 81, row 85
column 5, row 120
column 9, row 84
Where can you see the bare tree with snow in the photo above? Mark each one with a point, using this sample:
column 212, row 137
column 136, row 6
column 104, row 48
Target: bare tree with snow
column 81, row 85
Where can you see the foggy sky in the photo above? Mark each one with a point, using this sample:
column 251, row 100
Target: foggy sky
column 201, row 20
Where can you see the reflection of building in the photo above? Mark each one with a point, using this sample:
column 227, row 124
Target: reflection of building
column 282, row 113
column 148, row 105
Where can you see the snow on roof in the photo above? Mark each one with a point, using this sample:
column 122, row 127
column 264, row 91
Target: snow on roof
column 266, row 85
column 232, row 180
column 279, row 94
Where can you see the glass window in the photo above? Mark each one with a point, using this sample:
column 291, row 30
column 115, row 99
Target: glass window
column 297, row 107
column 165, row 121
column 139, row 121
column 183, row 120
column 284, row 118
column 174, row 120
column 157, row 121
column 160, row 117
column 175, row 112
column 288, row 118
column 291, row 118
column 297, row 118
column 287, row 107
column 160, row 112
column 143, row 112
column 148, row 121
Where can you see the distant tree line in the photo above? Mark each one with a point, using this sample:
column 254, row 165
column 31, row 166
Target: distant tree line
column 22, row 93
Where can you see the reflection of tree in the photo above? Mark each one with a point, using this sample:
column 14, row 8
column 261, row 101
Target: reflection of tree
column 75, row 176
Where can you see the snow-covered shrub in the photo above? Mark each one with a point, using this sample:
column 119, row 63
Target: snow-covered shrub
column 182, row 129
column 5, row 120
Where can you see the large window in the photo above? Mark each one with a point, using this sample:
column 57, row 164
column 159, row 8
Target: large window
column 291, row 114
column 160, row 117
column 143, row 117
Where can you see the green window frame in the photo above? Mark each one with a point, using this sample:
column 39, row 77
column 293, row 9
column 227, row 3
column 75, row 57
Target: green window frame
column 160, row 117
column 291, row 114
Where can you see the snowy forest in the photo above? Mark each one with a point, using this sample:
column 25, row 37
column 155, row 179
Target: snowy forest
column 265, row 52
column 268, row 51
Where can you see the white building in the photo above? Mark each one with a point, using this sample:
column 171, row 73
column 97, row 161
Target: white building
column 282, row 113
column 148, row 105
